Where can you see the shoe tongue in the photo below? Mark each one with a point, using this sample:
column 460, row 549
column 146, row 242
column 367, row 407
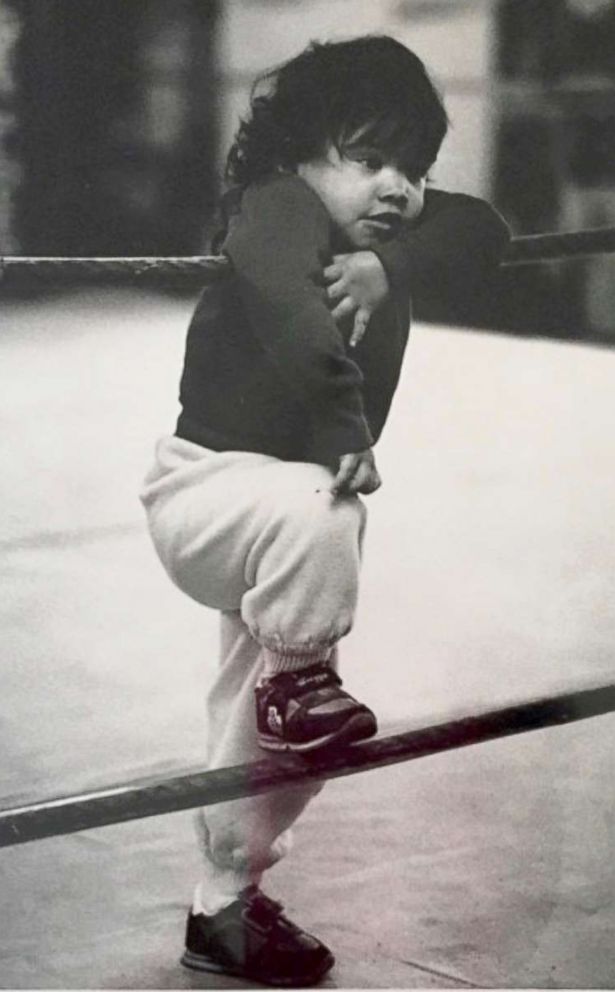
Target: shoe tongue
column 259, row 902
column 314, row 678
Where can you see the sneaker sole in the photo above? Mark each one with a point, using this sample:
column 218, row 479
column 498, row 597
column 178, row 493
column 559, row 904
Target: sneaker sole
column 357, row 728
column 201, row 962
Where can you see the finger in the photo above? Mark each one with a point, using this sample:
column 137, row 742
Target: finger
column 353, row 486
column 342, row 309
column 366, row 482
column 341, row 259
column 333, row 272
column 364, row 478
column 336, row 290
column 361, row 320
column 360, row 479
column 374, row 482
column 342, row 479
column 347, row 468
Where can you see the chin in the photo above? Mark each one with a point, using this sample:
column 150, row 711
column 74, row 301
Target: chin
column 361, row 240
column 373, row 238
column 364, row 241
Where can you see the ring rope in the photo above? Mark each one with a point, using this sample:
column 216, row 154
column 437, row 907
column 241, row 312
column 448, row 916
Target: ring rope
column 530, row 249
column 136, row 800
column 525, row 250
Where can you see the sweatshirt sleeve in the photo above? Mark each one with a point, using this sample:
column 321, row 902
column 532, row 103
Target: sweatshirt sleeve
column 449, row 259
column 278, row 244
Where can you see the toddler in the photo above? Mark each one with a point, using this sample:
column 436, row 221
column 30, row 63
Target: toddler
column 292, row 359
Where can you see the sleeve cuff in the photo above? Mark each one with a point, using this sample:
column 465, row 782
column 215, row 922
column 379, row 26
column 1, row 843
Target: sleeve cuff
column 344, row 436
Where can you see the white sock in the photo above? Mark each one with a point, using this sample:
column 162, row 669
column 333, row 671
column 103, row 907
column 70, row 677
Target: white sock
column 213, row 903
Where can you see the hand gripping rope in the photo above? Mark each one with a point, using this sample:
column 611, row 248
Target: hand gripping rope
column 152, row 797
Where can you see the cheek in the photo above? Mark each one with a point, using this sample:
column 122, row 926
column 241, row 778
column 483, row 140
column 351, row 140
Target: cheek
column 416, row 201
column 415, row 206
column 358, row 199
column 343, row 206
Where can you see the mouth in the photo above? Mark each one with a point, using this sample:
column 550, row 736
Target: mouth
column 386, row 222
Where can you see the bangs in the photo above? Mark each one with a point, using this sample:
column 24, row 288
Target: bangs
column 411, row 145
column 400, row 116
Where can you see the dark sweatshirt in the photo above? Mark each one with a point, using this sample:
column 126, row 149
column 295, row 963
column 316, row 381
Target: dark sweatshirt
column 267, row 368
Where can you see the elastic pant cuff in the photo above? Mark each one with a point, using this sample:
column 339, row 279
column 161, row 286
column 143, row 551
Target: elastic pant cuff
column 275, row 662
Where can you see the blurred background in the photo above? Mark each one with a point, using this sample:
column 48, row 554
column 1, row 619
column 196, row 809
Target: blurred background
column 115, row 119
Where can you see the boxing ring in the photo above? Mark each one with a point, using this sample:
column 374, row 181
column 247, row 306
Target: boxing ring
column 154, row 796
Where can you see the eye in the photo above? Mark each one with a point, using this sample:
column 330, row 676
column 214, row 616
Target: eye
column 371, row 160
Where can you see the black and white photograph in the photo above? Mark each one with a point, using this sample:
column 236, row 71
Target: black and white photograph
column 307, row 511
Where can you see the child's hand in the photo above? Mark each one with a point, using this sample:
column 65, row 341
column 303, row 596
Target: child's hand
column 359, row 282
column 357, row 473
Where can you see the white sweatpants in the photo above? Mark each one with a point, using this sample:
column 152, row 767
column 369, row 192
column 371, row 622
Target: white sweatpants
column 264, row 542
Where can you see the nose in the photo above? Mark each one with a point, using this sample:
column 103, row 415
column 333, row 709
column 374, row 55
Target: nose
column 397, row 190
column 394, row 187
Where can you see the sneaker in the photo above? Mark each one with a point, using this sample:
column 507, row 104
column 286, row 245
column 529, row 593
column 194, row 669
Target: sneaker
column 252, row 939
column 306, row 710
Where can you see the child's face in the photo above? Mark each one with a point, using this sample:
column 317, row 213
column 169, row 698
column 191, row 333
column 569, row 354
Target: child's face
column 366, row 197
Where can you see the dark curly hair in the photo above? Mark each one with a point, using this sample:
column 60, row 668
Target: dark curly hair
column 372, row 86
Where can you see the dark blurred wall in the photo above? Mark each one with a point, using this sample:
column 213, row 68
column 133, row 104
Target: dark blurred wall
column 120, row 111
column 554, row 167
column 115, row 125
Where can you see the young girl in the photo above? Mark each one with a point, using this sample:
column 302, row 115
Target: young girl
column 292, row 358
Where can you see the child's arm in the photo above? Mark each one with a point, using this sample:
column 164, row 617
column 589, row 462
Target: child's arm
column 278, row 244
column 449, row 256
